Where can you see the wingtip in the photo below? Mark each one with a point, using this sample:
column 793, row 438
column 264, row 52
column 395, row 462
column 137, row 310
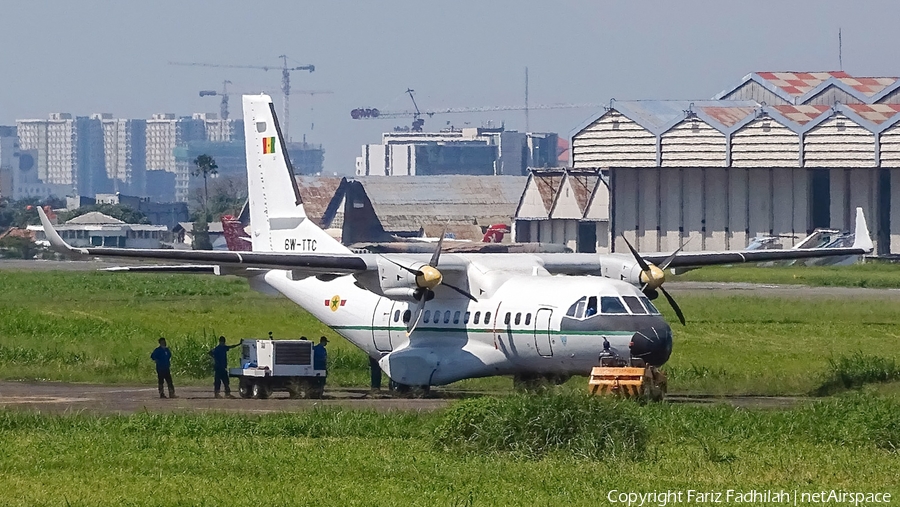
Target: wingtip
column 862, row 240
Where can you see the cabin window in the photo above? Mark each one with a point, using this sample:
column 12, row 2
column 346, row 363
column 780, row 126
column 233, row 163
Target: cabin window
column 456, row 317
column 610, row 304
column 477, row 316
column 406, row 316
column 527, row 319
column 487, row 317
column 574, row 310
column 396, row 315
column 426, row 316
column 447, row 317
column 466, row 317
column 634, row 305
column 591, row 306
column 649, row 306
column 518, row 318
column 507, row 318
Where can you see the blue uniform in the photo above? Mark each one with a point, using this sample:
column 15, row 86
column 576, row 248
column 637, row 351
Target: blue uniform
column 162, row 357
column 320, row 357
column 220, row 367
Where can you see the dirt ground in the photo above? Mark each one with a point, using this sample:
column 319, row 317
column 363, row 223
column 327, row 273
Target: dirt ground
column 60, row 397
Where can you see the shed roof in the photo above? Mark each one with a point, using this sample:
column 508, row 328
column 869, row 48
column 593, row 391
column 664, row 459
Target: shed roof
column 658, row 116
column 798, row 87
column 410, row 203
column 94, row 218
column 317, row 193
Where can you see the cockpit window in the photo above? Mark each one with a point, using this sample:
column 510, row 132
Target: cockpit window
column 591, row 306
column 610, row 304
column 576, row 309
column 634, row 305
column 650, row 308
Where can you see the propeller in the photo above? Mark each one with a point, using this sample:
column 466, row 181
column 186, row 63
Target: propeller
column 654, row 276
column 427, row 278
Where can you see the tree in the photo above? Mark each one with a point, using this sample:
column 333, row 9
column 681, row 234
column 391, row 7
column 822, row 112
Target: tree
column 19, row 247
column 205, row 165
column 201, row 239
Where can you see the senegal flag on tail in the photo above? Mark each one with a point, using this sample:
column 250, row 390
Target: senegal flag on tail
column 268, row 145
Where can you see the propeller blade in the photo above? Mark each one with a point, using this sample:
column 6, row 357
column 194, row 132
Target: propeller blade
column 437, row 252
column 673, row 304
column 420, row 308
column 461, row 291
column 671, row 258
column 640, row 260
column 407, row 268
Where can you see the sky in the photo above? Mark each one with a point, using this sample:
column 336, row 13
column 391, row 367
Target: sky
column 91, row 56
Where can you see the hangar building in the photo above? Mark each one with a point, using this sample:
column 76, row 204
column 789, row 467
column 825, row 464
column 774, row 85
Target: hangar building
column 780, row 153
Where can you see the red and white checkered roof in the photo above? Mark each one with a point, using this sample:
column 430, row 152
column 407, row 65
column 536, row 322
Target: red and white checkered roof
column 799, row 83
column 801, row 114
column 875, row 113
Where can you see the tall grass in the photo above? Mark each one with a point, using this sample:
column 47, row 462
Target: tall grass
column 857, row 370
column 536, row 425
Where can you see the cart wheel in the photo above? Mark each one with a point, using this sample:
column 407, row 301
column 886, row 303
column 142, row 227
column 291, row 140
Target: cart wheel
column 298, row 388
column 244, row 388
column 259, row 390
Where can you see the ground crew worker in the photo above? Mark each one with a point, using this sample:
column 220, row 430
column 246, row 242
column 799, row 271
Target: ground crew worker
column 320, row 358
column 220, row 366
column 162, row 356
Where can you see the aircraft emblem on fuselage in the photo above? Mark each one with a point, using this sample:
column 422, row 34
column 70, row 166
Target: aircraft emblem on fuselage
column 335, row 302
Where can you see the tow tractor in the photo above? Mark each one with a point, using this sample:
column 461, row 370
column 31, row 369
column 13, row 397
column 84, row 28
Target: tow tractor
column 278, row 365
column 628, row 378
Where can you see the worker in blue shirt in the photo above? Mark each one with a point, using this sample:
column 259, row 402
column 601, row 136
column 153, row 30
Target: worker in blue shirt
column 220, row 366
column 320, row 358
column 162, row 356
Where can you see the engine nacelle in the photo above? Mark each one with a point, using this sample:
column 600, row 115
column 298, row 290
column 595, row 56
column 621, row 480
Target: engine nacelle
column 391, row 281
column 621, row 268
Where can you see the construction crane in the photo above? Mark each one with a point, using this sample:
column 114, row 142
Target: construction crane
column 285, row 81
column 363, row 113
column 223, row 106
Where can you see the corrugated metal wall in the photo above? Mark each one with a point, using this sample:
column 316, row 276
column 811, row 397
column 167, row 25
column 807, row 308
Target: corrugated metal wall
column 693, row 143
column 614, row 140
column 890, row 147
column 839, row 142
column 765, row 143
column 715, row 208
column 753, row 91
column 830, row 96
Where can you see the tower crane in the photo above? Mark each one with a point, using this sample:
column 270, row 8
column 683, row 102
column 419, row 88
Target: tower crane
column 285, row 80
column 223, row 106
column 364, row 113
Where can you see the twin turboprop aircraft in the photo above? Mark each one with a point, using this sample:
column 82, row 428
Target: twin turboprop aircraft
column 435, row 319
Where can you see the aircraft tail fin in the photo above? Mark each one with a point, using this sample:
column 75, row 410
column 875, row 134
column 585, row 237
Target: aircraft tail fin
column 861, row 238
column 278, row 221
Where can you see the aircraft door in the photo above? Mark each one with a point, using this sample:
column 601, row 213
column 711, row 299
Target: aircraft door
column 381, row 322
column 542, row 332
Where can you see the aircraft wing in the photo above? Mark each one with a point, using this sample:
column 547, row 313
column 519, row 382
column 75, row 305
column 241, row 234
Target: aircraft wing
column 206, row 260
column 862, row 245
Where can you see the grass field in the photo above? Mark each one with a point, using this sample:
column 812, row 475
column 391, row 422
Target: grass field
column 101, row 327
column 327, row 457
column 871, row 274
column 508, row 450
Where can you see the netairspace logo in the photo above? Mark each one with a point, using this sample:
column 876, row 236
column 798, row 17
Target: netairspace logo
column 734, row 496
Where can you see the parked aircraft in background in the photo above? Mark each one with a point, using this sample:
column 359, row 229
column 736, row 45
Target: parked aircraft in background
column 438, row 318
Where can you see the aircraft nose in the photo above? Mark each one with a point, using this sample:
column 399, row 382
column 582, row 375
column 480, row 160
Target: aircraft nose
column 653, row 343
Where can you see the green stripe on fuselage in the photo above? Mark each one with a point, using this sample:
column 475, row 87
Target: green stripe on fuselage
column 482, row 330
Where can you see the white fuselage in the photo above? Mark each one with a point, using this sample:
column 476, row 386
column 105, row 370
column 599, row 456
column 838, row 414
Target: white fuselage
column 522, row 328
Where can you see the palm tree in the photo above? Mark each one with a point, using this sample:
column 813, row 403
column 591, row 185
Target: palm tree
column 205, row 166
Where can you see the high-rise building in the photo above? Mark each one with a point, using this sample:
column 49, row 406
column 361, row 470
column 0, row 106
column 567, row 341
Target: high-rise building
column 8, row 146
column 124, row 143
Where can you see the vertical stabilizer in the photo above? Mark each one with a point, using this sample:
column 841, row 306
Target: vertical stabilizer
column 278, row 222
